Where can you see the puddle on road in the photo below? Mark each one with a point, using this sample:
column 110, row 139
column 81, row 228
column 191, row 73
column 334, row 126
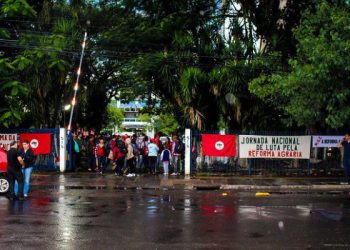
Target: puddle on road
column 327, row 214
column 256, row 235
column 204, row 212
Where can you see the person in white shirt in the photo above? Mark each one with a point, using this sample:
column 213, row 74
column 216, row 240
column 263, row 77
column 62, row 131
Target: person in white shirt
column 152, row 156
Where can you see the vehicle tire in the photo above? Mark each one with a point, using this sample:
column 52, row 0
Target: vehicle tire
column 4, row 185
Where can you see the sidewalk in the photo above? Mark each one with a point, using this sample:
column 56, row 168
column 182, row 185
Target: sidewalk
column 109, row 181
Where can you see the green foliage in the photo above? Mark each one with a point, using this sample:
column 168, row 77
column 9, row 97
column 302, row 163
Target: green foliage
column 10, row 116
column 222, row 124
column 145, row 118
column 22, row 62
column 12, row 89
column 316, row 91
column 15, row 8
column 115, row 117
column 45, row 71
column 166, row 124
column 197, row 58
column 191, row 79
column 148, row 118
column 4, row 33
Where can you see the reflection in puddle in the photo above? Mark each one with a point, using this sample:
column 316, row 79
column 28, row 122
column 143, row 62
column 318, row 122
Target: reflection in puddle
column 303, row 210
column 205, row 219
column 215, row 204
column 328, row 214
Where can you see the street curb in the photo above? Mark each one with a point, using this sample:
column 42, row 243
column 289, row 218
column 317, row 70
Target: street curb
column 191, row 186
column 88, row 182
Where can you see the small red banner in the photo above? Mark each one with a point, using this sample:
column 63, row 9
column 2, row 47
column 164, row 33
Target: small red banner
column 219, row 145
column 40, row 143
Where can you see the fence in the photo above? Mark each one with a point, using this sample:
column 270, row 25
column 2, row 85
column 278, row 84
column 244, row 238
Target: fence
column 322, row 162
column 47, row 161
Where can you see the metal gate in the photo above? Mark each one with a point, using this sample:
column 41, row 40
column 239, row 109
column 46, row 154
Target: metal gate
column 323, row 162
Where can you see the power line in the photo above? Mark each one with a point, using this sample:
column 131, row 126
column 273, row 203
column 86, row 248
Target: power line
column 58, row 18
column 194, row 64
column 105, row 51
column 36, row 21
column 22, row 32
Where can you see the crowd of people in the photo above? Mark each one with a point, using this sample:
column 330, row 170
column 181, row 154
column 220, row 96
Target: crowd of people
column 128, row 155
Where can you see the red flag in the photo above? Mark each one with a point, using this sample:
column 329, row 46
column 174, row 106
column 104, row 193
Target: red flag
column 40, row 143
column 219, row 145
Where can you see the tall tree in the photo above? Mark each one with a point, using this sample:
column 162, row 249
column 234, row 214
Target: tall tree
column 12, row 90
column 196, row 58
column 315, row 93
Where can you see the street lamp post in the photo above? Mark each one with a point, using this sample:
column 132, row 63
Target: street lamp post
column 65, row 108
column 76, row 87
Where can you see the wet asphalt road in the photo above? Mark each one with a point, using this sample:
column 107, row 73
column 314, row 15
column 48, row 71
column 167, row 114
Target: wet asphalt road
column 173, row 219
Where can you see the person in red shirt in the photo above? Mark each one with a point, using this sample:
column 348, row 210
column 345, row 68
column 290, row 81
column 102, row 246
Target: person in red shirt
column 119, row 156
column 101, row 156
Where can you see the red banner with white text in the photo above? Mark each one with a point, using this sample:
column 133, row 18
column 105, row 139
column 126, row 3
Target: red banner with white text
column 219, row 145
column 40, row 143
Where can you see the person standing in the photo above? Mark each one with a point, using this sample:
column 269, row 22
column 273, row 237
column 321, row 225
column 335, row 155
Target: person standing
column 81, row 153
column 130, row 158
column 27, row 158
column 159, row 143
column 144, row 154
column 111, row 154
column 76, row 153
column 119, row 152
column 91, row 154
column 135, row 150
column 345, row 144
column 14, row 172
column 177, row 148
column 165, row 157
column 101, row 156
column 152, row 156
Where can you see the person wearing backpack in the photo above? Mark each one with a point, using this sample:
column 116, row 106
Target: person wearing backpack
column 144, row 153
column 122, row 146
column 119, row 152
